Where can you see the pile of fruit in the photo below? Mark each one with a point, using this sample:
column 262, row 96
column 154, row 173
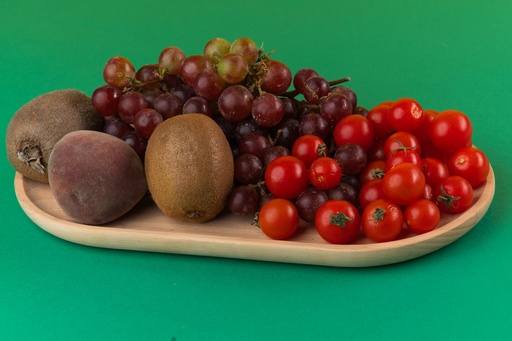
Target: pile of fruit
column 223, row 129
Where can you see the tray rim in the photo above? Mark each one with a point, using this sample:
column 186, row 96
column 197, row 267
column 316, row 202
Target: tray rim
column 352, row 255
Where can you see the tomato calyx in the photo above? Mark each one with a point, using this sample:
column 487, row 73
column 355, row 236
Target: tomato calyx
column 256, row 220
column 322, row 150
column 377, row 173
column 448, row 200
column 339, row 219
column 401, row 147
column 378, row 215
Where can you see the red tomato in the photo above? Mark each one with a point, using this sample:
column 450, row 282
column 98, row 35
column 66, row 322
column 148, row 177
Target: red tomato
column 451, row 130
column 286, row 177
column 382, row 221
column 325, row 173
column 278, row 219
column 376, row 151
column 405, row 115
column 371, row 191
column 470, row 163
column 373, row 170
column 401, row 140
column 404, row 183
column 401, row 156
column 423, row 132
column 422, row 216
column 378, row 117
column 429, row 150
column 435, row 171
column 308, row 148
column 354, row 129
column 454, row 194
column 338, row 221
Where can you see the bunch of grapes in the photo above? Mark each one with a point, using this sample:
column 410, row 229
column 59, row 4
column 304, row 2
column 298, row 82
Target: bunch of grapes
column 245, row 90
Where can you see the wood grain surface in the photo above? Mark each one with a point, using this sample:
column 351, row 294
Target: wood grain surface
column 145, row 228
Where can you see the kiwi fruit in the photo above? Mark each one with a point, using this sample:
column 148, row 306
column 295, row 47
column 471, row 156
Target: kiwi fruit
column 39, row 124
column 95, row 177
column 189, row 167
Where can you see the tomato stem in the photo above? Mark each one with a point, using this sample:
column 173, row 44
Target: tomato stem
column 340, row 219
column 378, row 215
column 448, row 200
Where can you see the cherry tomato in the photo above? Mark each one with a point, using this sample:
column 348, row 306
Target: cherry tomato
column 429, row 150
column 470, row 163
column 376, row 151
column 308, row 148
column 278, row 219
column 338, row 221
column 382, row 221
column 454, row 194
column 371, row 191
column 401, row 156
column 435, row 171
column 354, row 129
column 422, row 216
column 404, row 183
column 428, row 193
column 401, row 140
column 325, row 173
column 372, row 170
column 451, row 130
column 405, row 115
column 286, row 177
column 422, row 133
column 378, row 117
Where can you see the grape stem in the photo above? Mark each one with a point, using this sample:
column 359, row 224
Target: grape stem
column 293, row 93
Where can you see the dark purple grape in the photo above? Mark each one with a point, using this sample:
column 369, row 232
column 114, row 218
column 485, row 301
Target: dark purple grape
column 130, row 104
column 255, row 144
column 266, row 198
column 116, row 127
column 248, row 169
column 334, row 107
column 235, row 103
column 351, row 157
column 243, row 200
column 228, row 128
column 286, row 132
column 290, row 108
column 192, row 66
column 276, row 78
column 275, row 152
column 149, row 76
column 183, row 91
column 247, row 127
column 171, row 81
column 151, row 94
column 315, row 88
column 344, row 191
column 168, row 105
column 349, row 93
column 308, row 203
column 267, row 110
column 197, row 105
column 146, row 121
column 352, row 180
column 209, row 84
column 314, row 124
column 361, row 111
column 105, row 99
column 301, row 76
column 138, row 143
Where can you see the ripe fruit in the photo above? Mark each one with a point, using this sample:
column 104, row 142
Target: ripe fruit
column 39, row 124
column 95, row 177
column 189, row 167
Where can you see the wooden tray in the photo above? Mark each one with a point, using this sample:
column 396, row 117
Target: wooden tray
column 145, row 228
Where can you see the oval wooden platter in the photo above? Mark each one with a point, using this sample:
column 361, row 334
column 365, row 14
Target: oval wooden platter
column 145, row 228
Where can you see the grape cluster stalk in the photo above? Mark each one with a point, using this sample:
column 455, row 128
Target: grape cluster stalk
column 248, row 94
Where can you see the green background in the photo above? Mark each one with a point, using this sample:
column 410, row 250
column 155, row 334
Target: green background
column 445, row 54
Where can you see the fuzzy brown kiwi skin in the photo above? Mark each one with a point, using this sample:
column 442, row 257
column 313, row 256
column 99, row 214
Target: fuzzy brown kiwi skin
column 39, row 124
column 189, row 168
